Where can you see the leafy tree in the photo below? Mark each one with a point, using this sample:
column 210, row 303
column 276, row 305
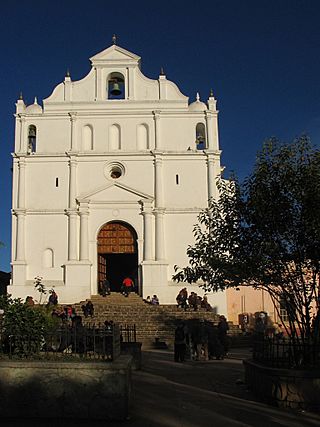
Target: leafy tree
column 265, row 233
column 23, row 327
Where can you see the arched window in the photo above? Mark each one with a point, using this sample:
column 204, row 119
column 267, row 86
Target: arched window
column 32, row 139
column 142, row 137
column 201, row 140
column 48, row 258
column 114, row 137
column 115, row 86
column 87, row 138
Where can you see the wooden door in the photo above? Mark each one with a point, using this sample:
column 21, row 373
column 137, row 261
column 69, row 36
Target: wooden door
column 102, row 269
column 116, row 238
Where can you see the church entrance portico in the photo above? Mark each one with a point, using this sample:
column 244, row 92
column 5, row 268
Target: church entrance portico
column 117, row 254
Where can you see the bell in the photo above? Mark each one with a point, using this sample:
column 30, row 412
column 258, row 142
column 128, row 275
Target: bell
column 115, row 89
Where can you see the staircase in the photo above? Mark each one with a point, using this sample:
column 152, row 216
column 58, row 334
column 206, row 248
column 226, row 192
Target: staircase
column 152, row 321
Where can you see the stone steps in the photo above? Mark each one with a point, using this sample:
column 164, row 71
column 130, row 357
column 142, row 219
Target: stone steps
column 152, row 321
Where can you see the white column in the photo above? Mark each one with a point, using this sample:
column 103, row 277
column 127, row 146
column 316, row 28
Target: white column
column 158, row 181
column 211, row 177
column 22, row 184
column 19, row 138
column 72, row 183
column 72, row 236
column 156, row 118
column 84, row 230
column 73, row 136
column 147, row 231
column 212, row 130
column 159, row 226
column 214, row 170
column 20, row 235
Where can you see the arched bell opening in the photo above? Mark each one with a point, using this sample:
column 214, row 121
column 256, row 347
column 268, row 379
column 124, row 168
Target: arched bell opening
column 32, row 139
column 117, row 254
column 201, row 136
column 115, row 86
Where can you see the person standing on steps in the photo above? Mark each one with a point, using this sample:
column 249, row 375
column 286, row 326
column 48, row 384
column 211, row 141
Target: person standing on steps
column 127, row 286
column 104, row 287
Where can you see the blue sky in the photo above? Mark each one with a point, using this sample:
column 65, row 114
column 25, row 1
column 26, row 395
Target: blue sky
column 261, row 58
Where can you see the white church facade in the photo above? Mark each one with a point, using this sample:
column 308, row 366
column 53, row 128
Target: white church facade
column 109, row 177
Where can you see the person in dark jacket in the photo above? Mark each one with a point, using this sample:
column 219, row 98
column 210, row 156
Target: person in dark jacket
column 223, row 328
column 180, row 341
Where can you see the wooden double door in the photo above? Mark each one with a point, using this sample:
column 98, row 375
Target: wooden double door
column 117, row 254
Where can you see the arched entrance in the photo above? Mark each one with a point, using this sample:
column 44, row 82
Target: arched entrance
column 117, row 254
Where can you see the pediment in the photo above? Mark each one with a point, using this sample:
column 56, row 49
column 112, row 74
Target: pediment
column 114, row 54
column 115, row 193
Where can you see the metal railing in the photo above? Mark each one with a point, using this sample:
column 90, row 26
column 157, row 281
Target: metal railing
column 128, row 333
column 283, row 353
column 65, row 343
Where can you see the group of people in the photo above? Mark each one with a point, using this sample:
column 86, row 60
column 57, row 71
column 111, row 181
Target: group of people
column 153, row 301
column 52, row 300
column 127, row 286
column 66, row 313
column 201, row 340
column 88, row 309
column 192, row 301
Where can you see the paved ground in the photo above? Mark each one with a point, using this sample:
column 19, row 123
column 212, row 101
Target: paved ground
column 192, row 394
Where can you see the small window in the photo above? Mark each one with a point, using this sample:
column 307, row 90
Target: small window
column 57, row 182
column 283, row 309
column 177, row 179
column 32, row 139
column 115, row 86
column 115, row 172
column 201, row 136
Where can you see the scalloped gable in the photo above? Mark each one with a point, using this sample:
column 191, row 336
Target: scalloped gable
column 115, row 192
column 115, row 54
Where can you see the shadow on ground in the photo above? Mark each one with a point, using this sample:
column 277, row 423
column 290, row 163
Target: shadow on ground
column 191, row 394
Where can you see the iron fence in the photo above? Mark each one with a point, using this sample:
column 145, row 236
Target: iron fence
column 65, row 343
column 283, row 353
column 128, row 333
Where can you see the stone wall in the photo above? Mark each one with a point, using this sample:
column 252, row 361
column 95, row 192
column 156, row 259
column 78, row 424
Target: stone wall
column 286, row 388
column 83, row 390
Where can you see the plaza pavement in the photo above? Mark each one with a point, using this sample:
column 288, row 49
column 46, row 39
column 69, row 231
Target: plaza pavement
column 191, row 394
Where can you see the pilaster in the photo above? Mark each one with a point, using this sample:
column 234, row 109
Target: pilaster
column 84, row 235
column 72, row 182
column 20, row 235
column 147, row 230
column 213, row 171
column 159, row 234
column 72, row 235
column 159, row 198
column 21, row 183
column 156, row 118
column 212, row 130
column 73, row 132
column 22, row 136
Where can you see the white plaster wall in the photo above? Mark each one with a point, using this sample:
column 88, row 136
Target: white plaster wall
column 192, row 176
column 46, row 231
column 41, row 190
column 178, row 133
column 92, row 175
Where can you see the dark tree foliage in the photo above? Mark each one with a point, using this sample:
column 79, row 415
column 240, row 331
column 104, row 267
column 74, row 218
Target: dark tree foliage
column 265, row 233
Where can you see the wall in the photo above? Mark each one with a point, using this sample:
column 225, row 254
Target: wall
column 66, row 390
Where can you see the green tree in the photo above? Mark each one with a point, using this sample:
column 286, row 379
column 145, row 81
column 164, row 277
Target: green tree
column 265, row 233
